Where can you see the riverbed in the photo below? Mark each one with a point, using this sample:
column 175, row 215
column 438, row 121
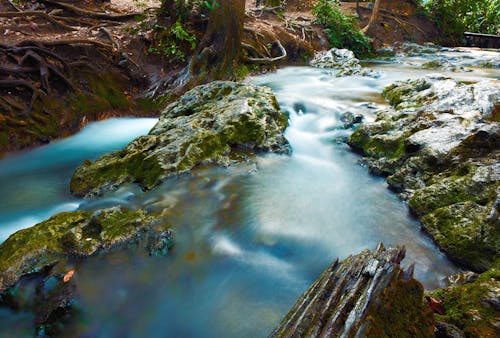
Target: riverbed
column 250, row 238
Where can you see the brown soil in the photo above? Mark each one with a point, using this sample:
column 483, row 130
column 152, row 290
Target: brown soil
column 398, row 21
column 61, row 67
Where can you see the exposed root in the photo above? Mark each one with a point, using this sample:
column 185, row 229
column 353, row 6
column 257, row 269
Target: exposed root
column 92, row 14
column 403, row 23
column 270, row 59
column 28, row 14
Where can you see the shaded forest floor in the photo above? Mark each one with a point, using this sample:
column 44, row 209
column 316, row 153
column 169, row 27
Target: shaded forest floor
column 66, row 63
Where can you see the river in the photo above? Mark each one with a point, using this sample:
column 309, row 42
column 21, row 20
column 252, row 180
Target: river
column 249, row 239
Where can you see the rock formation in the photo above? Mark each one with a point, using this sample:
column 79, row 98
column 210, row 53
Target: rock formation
column 439, row 145
column 367, row 295
column 37, row 264
column 344, row 61
column 213, row 123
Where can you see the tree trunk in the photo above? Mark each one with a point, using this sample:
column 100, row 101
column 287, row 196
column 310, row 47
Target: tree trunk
column 373, row 17
column 168, row 9
column 220, row 49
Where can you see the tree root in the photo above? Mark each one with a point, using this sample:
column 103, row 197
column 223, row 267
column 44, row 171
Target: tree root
column 270, row 59
column 26, row 15
column 61, row 42
column 23, row 83
column 92, row 14
column 403, row 23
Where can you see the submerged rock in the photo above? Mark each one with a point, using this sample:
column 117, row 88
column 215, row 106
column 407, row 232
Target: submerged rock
column 37, row 264
column 344, row 61
column 75, row 234
column 367, row 295
column 211, row 123
column 439, row 145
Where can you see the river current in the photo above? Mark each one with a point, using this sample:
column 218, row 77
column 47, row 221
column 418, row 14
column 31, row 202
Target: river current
column 249, row 239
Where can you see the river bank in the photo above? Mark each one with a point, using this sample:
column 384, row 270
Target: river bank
column 238, row 223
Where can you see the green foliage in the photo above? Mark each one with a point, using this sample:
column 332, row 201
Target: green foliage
column 455, row 17
column 210, row 5
column 174, row 42
column 341, row 29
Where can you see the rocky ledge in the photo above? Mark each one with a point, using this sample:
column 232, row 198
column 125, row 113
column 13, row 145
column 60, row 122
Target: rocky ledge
column 471, row 305
column 367, row 295
column 75, row 235
column 439, row 145
column 212, row 123
column 37, row 264
column 344, row 61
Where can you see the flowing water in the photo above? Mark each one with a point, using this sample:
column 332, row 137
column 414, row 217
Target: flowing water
column 249, row 239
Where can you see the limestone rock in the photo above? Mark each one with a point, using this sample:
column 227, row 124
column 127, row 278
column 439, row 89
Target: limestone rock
column 472, row 309
column 344, row 61
column 211, row 123
column 367, row 295
column 439, row 145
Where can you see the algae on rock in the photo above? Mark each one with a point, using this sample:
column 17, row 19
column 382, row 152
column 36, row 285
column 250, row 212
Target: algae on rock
column 208, row 124
column 440, row 150
column 74, row 234
column 473, row 307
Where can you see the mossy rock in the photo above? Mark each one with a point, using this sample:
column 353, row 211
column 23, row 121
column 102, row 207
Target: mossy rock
column 451, row 190
column 474, row 307
column 403, row 91
column 204, row 125
column 70, row 234
column 463, row 231
column 400, row 312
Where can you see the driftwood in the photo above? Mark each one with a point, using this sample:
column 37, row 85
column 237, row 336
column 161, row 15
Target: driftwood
column 353, row 297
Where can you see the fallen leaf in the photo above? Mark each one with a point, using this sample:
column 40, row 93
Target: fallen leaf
column 68, row 276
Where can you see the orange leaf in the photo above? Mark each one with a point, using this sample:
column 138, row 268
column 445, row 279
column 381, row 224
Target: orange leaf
column 68, row 276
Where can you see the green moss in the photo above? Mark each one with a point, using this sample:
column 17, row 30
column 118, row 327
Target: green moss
column 148, row 104
column 105, row 92
column 109, row 88
column 432, row 64
column 462, row 231
column 78, row 233
column 469, row 306
column 456, row 188
column 32, row 249
column 399, row 92
column 205, row 146
column 389, row 147
column 4, row 138
column 242, row 72
column 145, row 170
column 400, row 312
column 368, row 141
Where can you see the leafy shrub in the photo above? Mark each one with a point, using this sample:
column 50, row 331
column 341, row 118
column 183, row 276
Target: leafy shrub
column 455, row 17
column 173, row 43
column 341, row 29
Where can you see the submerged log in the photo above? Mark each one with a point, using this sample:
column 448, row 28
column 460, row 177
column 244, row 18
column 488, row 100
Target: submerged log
column 367, row 295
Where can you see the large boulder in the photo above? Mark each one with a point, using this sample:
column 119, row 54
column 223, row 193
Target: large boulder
column 366, row 295
column 439, row 145
column 212, row 123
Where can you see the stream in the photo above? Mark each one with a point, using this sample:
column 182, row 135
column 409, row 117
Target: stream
column 249, row 239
